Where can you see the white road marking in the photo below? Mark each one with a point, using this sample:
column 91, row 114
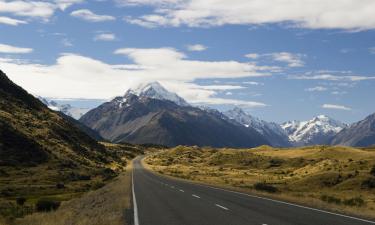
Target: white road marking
column 135, row 207
column 182, row 190
column 220, row 206
column 287, row 203
column 172, row 186
column 196, row 196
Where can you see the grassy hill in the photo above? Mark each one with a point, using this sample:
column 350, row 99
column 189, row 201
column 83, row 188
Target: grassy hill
column 339, row 178
column 44, row 157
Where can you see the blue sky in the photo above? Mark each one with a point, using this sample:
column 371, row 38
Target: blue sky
column 280, row 60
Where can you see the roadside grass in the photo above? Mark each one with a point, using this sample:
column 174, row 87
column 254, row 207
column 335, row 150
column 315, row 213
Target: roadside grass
column 57, row 182
column 108, row 205
column 332, row 178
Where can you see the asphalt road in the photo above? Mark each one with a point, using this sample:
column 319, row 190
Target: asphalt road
column 159, row 200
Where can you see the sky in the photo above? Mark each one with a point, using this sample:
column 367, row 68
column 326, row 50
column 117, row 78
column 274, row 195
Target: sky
column 280, row 60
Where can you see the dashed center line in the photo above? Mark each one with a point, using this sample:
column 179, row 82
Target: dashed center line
column 222, row 207
column 196, row 196
column 182, row 190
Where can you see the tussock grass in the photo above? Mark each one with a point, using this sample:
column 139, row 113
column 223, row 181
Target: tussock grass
column 331, row 177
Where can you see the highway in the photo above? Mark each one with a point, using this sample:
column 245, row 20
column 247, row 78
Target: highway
column 158, row 200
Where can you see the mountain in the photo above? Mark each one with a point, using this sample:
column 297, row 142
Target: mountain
column 360, row 134
column 319, row 130
column 67, row 109
column 31, row 134
column 272, row 132
column 156, row 91
column 154, row 115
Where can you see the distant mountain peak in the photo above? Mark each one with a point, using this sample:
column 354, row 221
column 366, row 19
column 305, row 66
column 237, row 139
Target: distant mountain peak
column 67, row 109
column 154, row 90
column 318, row 130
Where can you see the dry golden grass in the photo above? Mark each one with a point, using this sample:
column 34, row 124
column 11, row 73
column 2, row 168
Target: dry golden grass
column 109, row 205
column 320, row 176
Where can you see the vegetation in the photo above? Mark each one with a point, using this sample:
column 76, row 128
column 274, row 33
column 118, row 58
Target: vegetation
column 339, row 178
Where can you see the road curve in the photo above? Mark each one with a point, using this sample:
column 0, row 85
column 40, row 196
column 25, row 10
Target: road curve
column 164, row 201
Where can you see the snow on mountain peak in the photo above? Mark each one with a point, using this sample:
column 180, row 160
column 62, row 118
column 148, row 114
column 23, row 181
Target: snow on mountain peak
column 315, row 131
column 156, row 91
column 67, row 109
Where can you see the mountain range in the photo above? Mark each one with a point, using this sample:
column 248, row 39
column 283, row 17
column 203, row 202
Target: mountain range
column 154, row 115
column 67, row 109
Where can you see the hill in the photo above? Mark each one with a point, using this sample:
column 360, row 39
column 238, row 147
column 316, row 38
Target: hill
column 334, row 178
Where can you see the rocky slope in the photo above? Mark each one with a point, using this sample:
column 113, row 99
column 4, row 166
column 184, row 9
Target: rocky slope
column 273, row 132
column 360, row 134
column 319, row 130
column 142, row 117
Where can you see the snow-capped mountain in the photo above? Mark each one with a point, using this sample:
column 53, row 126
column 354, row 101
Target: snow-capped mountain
column 319, row 130
column 67, row 109
column 151, row 115
column 271, row 131
column 156, row 91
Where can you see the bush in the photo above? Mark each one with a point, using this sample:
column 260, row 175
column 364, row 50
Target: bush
column 265, row 187
column 357, row 201
column 46, row 205
column 20, row 201
column 60, row 185
column 372, row 171
column 330, row 199
column 369, row 183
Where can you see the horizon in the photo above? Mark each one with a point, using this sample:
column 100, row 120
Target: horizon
column 277, row 69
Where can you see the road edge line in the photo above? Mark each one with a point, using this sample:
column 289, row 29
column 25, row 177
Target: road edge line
column 135, row 207
column 290, row 204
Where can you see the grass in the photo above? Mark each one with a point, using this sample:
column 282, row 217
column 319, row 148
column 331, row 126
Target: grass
column 110, row 204
column 58, row 182
column 333, row 178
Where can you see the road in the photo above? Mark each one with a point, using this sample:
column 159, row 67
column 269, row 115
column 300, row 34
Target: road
column 163, row 201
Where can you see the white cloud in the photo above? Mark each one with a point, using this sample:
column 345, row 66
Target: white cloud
column 252, row 83
column 14, row 50
column 33, row 9
column 196, row 48
column 105, row 37
column 64, row 4
column 11, row 21
column 87, row 15
column 317, row 88
column 252, row 56
column 331, row 77
column 337, row 107
column 312, row 14
column 66, row 42
column 75, row 76
column 372, row 50
column 293, row 60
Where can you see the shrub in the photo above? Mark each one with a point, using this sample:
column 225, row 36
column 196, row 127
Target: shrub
column 357, row 201
column 265, row 187
column 330, row 199
column 46, row 205
column 372, row 171
column 60, row 185
column 20, row 201
column 369, row 183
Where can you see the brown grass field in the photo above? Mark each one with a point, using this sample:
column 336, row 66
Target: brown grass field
column 340, row 179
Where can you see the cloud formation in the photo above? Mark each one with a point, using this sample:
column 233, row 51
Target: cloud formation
column 331, row 77
column 312, row 14
column 317, row 88
column 32, row 9
column 105, row 37
column 99, row 80
column 337, row 107
column 11, row 21
column 196, row 48
column 14, row 50
column 89, row 16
